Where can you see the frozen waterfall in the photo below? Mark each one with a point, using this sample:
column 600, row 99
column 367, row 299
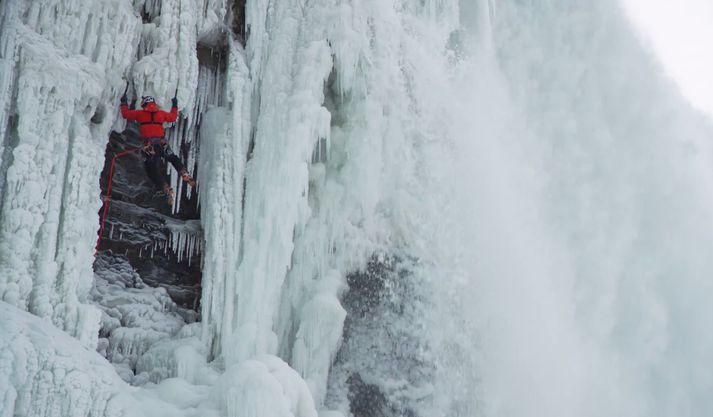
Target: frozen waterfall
column 404, row 208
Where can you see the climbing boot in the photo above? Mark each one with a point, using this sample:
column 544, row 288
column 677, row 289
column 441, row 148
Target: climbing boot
column 169, row 193
column 187, row 178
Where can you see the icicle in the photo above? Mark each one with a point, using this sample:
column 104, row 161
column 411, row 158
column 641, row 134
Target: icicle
column 190, row 249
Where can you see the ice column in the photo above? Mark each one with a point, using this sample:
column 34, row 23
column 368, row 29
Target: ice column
column 290, row 120
column 8, row 36
column 226, row 133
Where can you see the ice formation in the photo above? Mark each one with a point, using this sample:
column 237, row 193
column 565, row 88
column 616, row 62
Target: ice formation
column 407, row 208
column 62, row 64
column 185, row 240
column 134, row 316
column 45, row 372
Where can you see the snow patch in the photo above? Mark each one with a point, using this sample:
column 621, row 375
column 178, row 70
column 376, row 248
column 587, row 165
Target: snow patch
column 264, row 386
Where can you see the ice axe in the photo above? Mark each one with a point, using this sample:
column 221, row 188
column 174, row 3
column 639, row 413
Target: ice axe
column 174, row 100
column 124, row 99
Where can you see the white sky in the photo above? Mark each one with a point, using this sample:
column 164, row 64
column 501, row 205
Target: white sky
column 681, row 33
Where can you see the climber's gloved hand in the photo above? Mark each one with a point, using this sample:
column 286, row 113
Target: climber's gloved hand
column 124, row 99
column 174, row 102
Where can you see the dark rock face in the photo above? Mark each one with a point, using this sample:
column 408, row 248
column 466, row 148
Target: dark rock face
column 139, row 224
column 384, row 367
column 366, row 399
column 237, row 9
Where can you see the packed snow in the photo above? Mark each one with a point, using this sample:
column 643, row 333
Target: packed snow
column 46, row 372
column 439, row 207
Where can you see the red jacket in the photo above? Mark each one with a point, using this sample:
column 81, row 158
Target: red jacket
column 151, row 119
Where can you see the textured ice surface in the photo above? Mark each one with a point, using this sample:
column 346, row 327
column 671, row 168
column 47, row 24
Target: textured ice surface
column 551, row 184
column 134, row 315
column 63, row 69
column 264, row 386
column 45, row 372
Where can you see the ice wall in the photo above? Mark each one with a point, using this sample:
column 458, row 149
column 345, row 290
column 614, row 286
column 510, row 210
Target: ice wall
column 548, row 183
column 63, row 65
column 62, row 62
column 356, row 76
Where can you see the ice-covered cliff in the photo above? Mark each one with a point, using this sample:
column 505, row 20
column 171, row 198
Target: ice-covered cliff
column 404, row 208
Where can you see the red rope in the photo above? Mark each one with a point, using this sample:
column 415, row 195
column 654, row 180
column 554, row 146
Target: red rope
column 108, row 193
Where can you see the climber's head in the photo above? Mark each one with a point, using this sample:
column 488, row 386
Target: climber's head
column 146, row 100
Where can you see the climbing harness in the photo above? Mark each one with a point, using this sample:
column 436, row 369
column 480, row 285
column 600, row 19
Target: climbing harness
column 152, row 121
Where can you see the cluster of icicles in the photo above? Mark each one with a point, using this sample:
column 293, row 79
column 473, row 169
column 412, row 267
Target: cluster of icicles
column 185, row 244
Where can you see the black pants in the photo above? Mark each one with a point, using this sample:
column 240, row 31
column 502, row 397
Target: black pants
column 152, row 162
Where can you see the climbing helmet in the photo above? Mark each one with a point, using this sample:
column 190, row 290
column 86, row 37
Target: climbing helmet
column 145, row 100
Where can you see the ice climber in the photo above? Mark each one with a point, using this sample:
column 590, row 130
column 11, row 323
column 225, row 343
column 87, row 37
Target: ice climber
column 151, row 120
